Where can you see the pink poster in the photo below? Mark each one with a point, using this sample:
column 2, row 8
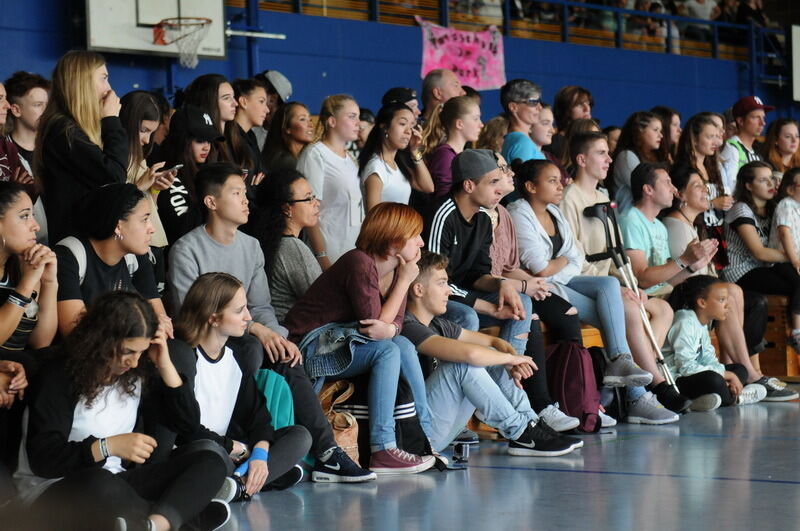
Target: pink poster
column 476, row 57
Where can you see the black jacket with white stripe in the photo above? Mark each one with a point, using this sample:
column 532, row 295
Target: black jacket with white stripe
column 465, row 243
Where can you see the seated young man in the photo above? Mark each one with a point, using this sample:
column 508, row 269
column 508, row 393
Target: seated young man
column 218, row 246
column 467, row 370
column 647, row 246
column 461, row 231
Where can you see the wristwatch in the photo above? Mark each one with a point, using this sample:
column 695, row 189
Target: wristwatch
column 680, row 263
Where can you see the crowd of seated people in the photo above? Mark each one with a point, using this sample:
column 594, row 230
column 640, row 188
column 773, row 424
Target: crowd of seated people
column 188, row 250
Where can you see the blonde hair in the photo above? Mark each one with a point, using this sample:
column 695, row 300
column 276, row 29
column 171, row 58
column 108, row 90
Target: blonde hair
column 492, row 134
column 209, row 295
column 73, row 96
column 443, row 118
column 330, row 106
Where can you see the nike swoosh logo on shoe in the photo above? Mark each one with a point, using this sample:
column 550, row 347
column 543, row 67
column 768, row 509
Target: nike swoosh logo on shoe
column 337, row 467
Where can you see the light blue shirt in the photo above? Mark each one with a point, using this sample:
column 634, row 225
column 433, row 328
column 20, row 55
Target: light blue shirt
column 651, row 237
column 518, row 145
column 688, row 349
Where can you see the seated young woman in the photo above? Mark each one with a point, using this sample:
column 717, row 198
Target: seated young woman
column 83, row 431
column 286, row 206
column 233, row 412
column 365, row 293
column 117, row 224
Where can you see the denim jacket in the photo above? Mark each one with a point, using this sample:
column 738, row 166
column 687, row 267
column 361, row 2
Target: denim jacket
column 327, row 350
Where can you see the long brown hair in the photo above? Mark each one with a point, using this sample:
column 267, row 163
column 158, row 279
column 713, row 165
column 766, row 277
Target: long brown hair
column 443, row 118
column 686, row 153
column 209, row 295
column 770, row 150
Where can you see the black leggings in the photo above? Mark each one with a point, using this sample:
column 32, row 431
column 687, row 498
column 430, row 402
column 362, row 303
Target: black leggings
column 290, row 445
column 780, row 279
column 562, row 327
column 706, row 382
column 92, row 498
column 307, row 411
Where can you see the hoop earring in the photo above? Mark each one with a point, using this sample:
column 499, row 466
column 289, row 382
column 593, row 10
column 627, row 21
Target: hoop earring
column 117, row 236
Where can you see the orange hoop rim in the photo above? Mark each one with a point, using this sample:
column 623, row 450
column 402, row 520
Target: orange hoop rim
column 177, row 22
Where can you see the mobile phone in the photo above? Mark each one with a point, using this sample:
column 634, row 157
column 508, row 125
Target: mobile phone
column 175, row 168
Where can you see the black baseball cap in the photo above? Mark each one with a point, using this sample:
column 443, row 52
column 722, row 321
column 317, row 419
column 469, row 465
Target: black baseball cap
column 398, row 95
column 196, row 123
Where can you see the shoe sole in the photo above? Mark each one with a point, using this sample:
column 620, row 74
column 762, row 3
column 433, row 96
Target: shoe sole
column 610, row 424
column 227, row 492
column 781, row 398
column 626, row 381
column 532, row 452
column 422, row 467
column 708, row 402
column 652, row 422
column 324, row 477
column 576, row 445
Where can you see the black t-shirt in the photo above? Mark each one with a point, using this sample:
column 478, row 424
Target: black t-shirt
column 100, row 277
column 417, row 333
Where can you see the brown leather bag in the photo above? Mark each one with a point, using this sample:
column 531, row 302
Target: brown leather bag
column 344, row 425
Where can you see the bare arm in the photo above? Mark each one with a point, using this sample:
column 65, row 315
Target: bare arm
column 653, row 275
column 373, row 187
column 47, row 325
column 421, row 180
column 553, row 266
column 753, row 243
column 787, row 241
column 69, row 313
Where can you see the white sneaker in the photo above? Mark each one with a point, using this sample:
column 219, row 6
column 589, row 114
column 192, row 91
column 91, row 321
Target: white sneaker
column 708, row 402
column 648, row 410
column 606, row 421
column 751, row 394
column 557, row 419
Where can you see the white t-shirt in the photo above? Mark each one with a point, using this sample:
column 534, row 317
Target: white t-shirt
column 787, row 214
column 396, row 188
column 695, row 9
column 113, row 412
column 335, row 182
column 216, row 387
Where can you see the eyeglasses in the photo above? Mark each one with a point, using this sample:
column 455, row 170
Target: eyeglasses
column 532, row 102
column 306, row 200
column 505, row 168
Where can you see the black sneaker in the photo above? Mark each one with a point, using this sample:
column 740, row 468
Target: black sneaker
column 776, row 390
column 215, row 515
column 339, row 468
column 539, row 440
column 232, row 490
column 288, row 480
column 575, row 442
column 670, row 398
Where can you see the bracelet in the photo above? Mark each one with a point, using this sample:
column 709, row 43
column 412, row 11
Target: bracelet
column 104, row 448
column 321, row 254
column 524, row 286
column 417, row 160
column 259, row 454
column 396, row 330
column 680, row 263
column 18, row 300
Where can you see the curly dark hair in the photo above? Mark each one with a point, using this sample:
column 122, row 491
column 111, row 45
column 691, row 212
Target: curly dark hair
column 272, row 195
column 96, row 341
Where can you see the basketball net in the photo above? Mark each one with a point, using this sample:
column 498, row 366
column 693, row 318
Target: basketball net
column 186, row 33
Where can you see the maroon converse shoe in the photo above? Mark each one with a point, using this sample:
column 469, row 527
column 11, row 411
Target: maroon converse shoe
column 397, row 461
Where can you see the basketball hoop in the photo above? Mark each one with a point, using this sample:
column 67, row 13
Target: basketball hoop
column 186, row 33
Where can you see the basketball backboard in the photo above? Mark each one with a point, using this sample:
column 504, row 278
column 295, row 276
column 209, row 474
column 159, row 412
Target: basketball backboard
column 126, row 26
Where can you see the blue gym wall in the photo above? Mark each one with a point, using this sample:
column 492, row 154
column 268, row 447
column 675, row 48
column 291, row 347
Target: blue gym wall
column 324, row 56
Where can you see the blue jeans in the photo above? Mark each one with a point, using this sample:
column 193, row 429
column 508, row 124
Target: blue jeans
column 599, row 303
column 510, row 330
column 463, row 315
column 456, row 390
column 384, row 360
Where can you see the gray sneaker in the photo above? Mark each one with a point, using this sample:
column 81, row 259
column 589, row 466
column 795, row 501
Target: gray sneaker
column 622, row 371
column 708, row 402
column 776, row 390
column 648, row 410
column 751, row 393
